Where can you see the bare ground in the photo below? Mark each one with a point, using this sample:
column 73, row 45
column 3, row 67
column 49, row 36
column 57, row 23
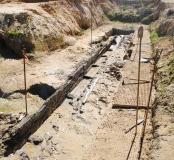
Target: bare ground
column 94, row 130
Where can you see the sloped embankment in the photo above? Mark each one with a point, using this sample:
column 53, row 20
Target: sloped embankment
column 145, row 12
column 45, row 26
column 166, row 26
column 163, row 113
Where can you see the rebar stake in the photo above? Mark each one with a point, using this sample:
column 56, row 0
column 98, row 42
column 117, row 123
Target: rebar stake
column 156, row 59
column 91, row 21
column 25, row 83
column 140, row 36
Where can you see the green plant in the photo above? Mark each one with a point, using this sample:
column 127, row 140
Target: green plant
column 171, row 70
column 154, row 37
column 15, row 34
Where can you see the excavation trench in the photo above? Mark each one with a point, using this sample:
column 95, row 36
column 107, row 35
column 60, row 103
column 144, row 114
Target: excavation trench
column 18, row 135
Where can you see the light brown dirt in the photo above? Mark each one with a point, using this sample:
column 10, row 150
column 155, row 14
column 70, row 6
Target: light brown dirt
column 43, row 70
column 99, row 131
column 96, row 133
column 163, row 141
column 47, row 25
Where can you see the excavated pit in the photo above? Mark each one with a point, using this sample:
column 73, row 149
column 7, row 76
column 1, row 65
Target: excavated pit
column 54, row 98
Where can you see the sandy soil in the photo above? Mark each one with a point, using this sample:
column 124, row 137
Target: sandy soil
column 42, row 70
column 93, row 130
column 163, row 119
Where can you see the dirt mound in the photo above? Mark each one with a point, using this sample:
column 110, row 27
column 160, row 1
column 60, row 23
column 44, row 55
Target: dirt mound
column 166, row 27
column 42, row 26
column 163, row 111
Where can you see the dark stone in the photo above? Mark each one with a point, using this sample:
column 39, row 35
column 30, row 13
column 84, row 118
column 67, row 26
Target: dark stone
column 129, row 52
column 81, row 112
column 56, row 128
column 24, row 156
column 119, row 64
column 35, row 140
column 126, row 57
column 70, row 96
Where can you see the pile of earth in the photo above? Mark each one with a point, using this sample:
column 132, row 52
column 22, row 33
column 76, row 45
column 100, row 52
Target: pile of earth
column 145, row 12
column 47, row 25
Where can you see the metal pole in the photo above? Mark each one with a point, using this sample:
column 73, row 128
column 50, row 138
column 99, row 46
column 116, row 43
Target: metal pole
column 91, row 21
column 25, row 84
column 156, row 58
column 173, row 39
column 140, row 36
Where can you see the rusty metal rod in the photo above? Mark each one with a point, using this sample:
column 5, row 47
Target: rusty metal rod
column 140, row 36
column 91, row 22
column 143, row 80
column 135, row 83
column 148, row 104
column 132, row 143
column 133, row 127
column 123, row 106
column 25, row 84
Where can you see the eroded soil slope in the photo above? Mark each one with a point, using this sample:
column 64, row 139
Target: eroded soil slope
column 162, row 37
column 45, row 26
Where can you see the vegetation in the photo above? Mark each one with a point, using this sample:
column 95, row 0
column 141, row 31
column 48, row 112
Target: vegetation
column 15, row 34
column 171, row 70
column 166, row 72
column 61, row 42
column 154, row 37
column 105, row 17
column 124, row 17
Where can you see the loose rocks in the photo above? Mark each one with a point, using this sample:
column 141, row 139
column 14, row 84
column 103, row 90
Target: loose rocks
column 35, row 140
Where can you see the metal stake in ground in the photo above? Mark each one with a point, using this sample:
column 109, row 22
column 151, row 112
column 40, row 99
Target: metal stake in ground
column 91, row 20
column 140, row 36
column 156, row 59
column 173, row 39
column 25, row 82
